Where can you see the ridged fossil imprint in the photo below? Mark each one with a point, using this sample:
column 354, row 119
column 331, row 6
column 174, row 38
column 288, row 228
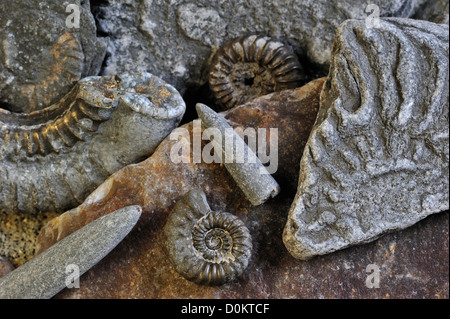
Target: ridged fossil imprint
column 252, row 66
column 51, row 159
column 377, row 159
column 206, row 247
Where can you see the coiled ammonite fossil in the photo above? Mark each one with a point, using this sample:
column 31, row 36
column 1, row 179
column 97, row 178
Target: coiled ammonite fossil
column 51, row 159
column 206, row 247
column 252, row 66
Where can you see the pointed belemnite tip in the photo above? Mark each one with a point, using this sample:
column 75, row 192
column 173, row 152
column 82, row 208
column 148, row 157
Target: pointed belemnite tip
column 203, row 109
column 131, row 213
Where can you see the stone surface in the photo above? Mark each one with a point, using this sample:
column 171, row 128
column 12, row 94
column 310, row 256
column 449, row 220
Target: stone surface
column 47, row 274
column 434, row 11
column 52, row 159
column 18, row 233
column 413, row 263
column 5, row 266
column 377, row 159
column 176, row 39
column 41, row 56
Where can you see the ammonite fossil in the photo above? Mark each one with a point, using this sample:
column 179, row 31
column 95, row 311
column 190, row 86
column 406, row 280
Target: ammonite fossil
column 252, row 66
column 51, row 159
column 41, row 56
column 206, row 247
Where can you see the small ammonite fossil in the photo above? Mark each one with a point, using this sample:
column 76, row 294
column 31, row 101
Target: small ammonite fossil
column 252, row 66
column 206, row 247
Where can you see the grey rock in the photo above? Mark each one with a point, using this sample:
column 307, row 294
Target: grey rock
column 41, row 57
column 50, row 160
column 377, row 159
column 434, row 10
column 49, row 272
column 177, row 39
column 241, row 162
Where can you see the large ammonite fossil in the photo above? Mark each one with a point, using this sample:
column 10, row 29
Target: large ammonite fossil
column 51, row 159
column 41, row 55
column 206, row 247
column 252, row 66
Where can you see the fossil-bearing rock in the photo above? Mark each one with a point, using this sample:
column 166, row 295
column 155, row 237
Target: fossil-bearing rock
column 177, row 39
column 51, row 159
column 42, row 52
column 377, row 159
column 204, row 246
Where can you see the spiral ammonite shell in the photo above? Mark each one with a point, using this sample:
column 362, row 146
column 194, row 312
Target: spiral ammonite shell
column 206, row 247
column 252, row 66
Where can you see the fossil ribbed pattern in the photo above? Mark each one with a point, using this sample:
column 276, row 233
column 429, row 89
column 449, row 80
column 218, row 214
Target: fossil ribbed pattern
column 251, row 66
column 51, row 159
column 377, row 159
column 206, row 247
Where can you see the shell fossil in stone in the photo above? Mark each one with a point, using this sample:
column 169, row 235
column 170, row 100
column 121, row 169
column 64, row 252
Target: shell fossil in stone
column 64, row 69
column 51, row 159
column 41, row 56
column 206, row 247
column 377, row 158
column 251, row 66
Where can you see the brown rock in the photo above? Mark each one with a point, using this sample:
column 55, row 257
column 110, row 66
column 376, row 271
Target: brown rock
column 412, row 263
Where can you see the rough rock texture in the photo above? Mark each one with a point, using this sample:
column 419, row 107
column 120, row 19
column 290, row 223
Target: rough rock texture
column 413, row 263
column 48, row 273
column 176, row 39
column 18, row 233
column 41, row 56
column 50, row 160
column 377, row 159
column 5, row 266
column 434, row 11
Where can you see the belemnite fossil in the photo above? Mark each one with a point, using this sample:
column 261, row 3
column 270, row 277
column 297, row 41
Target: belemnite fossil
column 252, row 66
column 51, row 159
column 54, row 269
column 206, row 247
column 241, row 162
